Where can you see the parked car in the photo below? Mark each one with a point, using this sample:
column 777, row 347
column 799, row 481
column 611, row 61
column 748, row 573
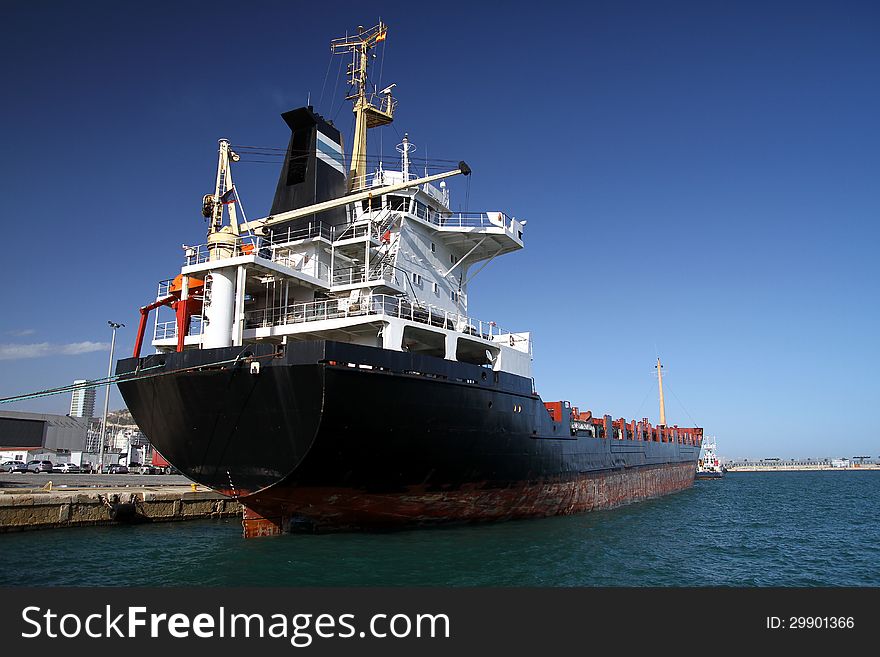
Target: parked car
column 40, row 466
column 86, row 467
column 13, row 466
column 115, row 468
column 67, row 468
column 145, row 469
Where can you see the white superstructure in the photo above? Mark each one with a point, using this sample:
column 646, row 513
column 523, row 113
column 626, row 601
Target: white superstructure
column 394, row 274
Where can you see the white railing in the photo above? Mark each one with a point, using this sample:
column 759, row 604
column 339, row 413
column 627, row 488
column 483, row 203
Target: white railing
column 259, row 246
column 164, row 288
column 272, row 248
column 196, row 255
column 468, row 219
column 165, row 330
column 374, row 304
column 277, row 250
column 379, row 220
column 382, row 178
column 436, row 193
column 359, row 183
column 311, row 267
column 355, row 275
column 168, row 330
column 353, row 231
column 313, row 230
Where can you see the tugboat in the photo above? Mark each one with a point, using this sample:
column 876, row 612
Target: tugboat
column 322, row 365
column 708, row 466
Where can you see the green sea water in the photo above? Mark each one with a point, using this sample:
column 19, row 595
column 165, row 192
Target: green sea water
column 749, row 529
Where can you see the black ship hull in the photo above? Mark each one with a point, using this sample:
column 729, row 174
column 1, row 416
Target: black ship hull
column 326, row 435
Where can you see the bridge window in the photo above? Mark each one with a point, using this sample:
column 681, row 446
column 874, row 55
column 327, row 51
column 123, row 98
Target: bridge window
column 398, row 203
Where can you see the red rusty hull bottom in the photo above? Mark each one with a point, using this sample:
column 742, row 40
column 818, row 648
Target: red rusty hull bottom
column 280, row 509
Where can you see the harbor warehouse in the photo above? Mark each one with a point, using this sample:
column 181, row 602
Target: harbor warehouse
column 24, row 433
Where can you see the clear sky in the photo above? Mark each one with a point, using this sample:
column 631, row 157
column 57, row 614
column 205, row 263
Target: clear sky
column 700, row 179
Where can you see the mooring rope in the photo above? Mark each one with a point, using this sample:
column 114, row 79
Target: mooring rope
column 137, row 375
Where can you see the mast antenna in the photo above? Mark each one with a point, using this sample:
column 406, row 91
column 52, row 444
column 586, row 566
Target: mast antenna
column 370, row 110
column 660, row 384
column 405, row 148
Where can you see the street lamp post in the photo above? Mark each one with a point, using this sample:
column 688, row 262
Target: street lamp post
column 114, row 326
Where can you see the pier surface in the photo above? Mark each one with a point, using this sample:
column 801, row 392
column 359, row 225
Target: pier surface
column 47, row 501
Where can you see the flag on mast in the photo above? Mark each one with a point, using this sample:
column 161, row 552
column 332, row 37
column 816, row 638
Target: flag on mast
column 228, row 196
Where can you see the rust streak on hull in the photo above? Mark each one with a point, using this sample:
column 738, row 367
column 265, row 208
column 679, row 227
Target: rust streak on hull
column 280, row 510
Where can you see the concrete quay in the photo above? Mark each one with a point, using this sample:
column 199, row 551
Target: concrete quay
column 800, row 468
column 49, row 506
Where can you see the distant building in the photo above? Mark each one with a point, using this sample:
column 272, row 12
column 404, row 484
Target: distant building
column 122, row 437
column 82, row 401
column 23, row 435
column 62, row 438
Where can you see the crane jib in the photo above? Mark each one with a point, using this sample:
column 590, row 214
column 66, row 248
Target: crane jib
column 463, row 169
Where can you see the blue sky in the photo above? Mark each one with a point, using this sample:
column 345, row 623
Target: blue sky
column 699, row 179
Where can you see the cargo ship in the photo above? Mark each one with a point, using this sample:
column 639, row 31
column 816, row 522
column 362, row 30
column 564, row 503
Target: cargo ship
column 320, row 364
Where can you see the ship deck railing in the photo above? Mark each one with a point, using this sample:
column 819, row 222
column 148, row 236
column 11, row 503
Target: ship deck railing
column 315, row 229
column 168, row 330
column 374, row 304
column 314, row 268
column 362, row 274
column 464, row 219
column 353, row 231
column 281, row 254
column 245, row 245
column 164, row 288
column 272, row 247
column 264, row 247
column 384, row 177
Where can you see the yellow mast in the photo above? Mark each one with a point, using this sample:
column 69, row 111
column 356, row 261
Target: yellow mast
column 366, row 114
column 660, row 383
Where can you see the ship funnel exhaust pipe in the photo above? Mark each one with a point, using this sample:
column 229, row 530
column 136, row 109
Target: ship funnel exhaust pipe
column 313, row 169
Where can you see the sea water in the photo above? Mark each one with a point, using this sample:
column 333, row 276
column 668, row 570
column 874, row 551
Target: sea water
column 748, row 529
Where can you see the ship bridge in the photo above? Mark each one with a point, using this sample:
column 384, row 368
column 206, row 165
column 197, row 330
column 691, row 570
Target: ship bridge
column 476, row 235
